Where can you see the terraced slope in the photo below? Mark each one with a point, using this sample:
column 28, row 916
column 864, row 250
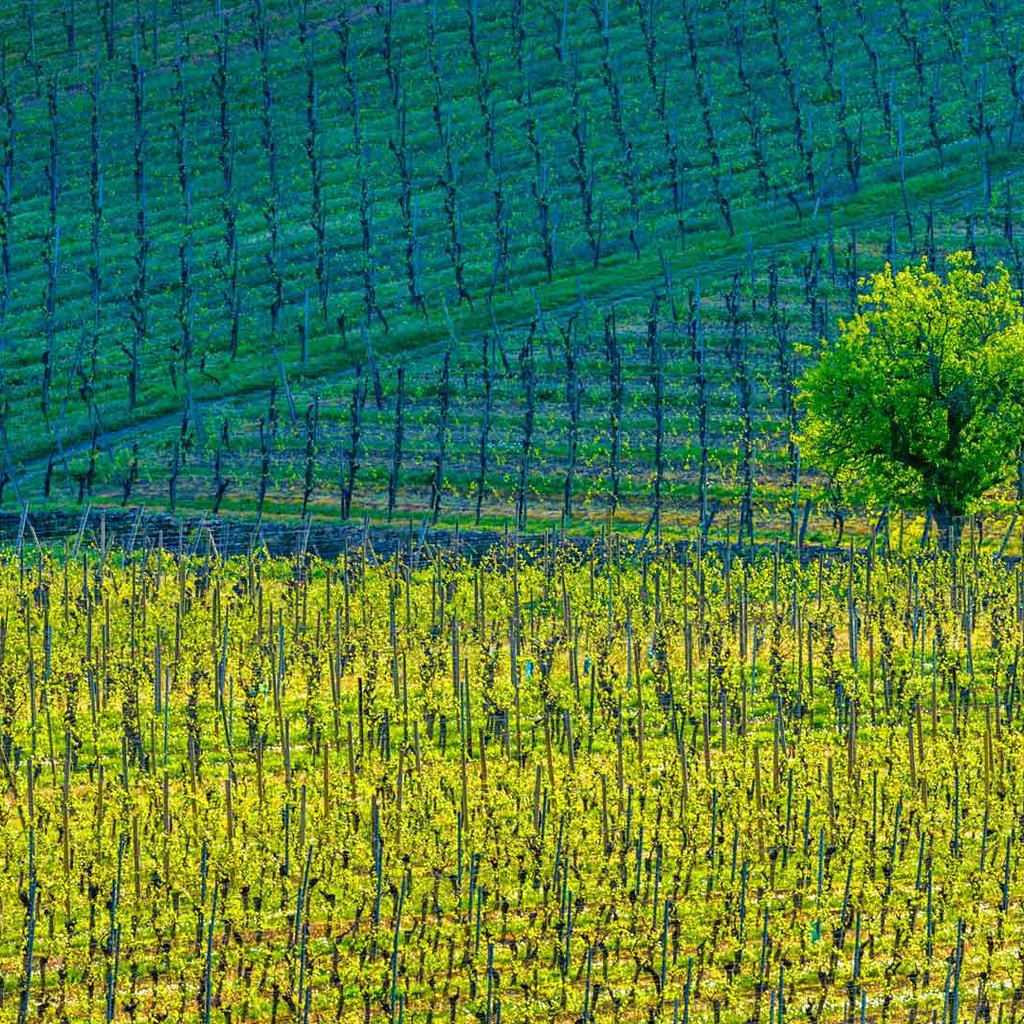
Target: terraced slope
column 258, row 212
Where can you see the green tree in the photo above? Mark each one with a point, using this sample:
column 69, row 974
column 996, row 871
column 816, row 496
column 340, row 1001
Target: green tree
column 919, row 403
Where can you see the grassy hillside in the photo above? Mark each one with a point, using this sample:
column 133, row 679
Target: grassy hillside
column 232, row 222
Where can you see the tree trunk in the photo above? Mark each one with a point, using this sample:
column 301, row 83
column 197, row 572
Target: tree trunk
column 948, row 524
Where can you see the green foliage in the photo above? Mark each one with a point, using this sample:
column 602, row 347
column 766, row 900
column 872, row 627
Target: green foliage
column 919, row 402
column 552, row 785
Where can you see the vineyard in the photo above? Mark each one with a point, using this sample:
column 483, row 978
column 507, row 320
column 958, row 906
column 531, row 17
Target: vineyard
column 422, row 595
column 503, row 262
column 549, row 785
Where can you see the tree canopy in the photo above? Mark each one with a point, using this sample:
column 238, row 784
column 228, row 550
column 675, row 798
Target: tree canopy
column 919, row 402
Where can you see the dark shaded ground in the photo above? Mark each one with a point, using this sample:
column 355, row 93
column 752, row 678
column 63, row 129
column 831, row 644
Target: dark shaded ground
column 134, row 529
